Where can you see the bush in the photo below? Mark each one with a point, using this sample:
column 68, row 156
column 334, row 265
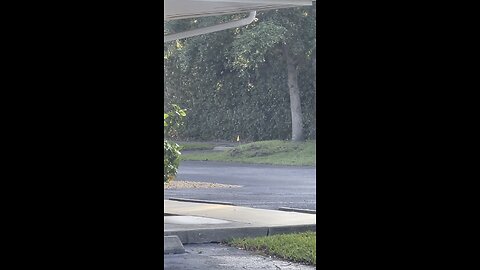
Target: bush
column 171, row 151
column 171, row 160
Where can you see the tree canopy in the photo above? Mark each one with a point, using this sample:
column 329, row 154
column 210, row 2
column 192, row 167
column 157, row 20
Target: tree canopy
column 241, row 82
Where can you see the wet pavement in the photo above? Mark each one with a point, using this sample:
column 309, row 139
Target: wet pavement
column 216, row 257
column 263, row 186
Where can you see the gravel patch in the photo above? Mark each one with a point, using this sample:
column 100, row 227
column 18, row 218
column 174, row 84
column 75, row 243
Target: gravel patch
column 177, row 184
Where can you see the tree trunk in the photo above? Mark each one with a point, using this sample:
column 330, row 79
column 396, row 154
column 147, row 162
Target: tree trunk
column 314, row 66
column 295, row 105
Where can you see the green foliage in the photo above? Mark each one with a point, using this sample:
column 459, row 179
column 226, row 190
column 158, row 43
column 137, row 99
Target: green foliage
column 234, row 82
column 173, row 121
column 250, row 48
column 171, row 160
column 171, row 150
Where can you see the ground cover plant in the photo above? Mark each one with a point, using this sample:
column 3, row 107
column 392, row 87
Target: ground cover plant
column 265, row 152
column 189, row 146
column 298, row 247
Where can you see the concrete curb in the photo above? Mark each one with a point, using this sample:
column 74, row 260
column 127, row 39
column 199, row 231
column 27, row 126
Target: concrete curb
column 172, row 245
column 305, row 211
column 199, row 201
column 292, row 229
column 217, row 235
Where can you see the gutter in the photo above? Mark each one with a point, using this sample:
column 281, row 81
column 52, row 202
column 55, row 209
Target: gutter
column 211, row 29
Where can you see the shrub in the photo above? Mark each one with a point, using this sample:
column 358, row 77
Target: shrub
column 171, row 151
column 171, row 160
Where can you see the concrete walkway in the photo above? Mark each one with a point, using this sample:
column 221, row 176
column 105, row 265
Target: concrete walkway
column 206, row 223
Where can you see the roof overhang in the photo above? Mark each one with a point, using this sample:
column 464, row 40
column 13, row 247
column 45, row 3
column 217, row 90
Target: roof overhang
column 183, row 9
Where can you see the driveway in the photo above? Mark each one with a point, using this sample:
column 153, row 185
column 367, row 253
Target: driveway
column 263, row 186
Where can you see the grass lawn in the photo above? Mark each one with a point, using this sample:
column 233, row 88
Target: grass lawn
column 196, row 146
column 300, row 247
column 264, row 152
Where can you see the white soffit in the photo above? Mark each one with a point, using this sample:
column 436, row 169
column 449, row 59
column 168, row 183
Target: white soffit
column 183, row 9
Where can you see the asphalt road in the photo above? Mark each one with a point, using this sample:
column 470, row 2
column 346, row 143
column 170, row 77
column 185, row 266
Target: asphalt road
column 263, row 186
